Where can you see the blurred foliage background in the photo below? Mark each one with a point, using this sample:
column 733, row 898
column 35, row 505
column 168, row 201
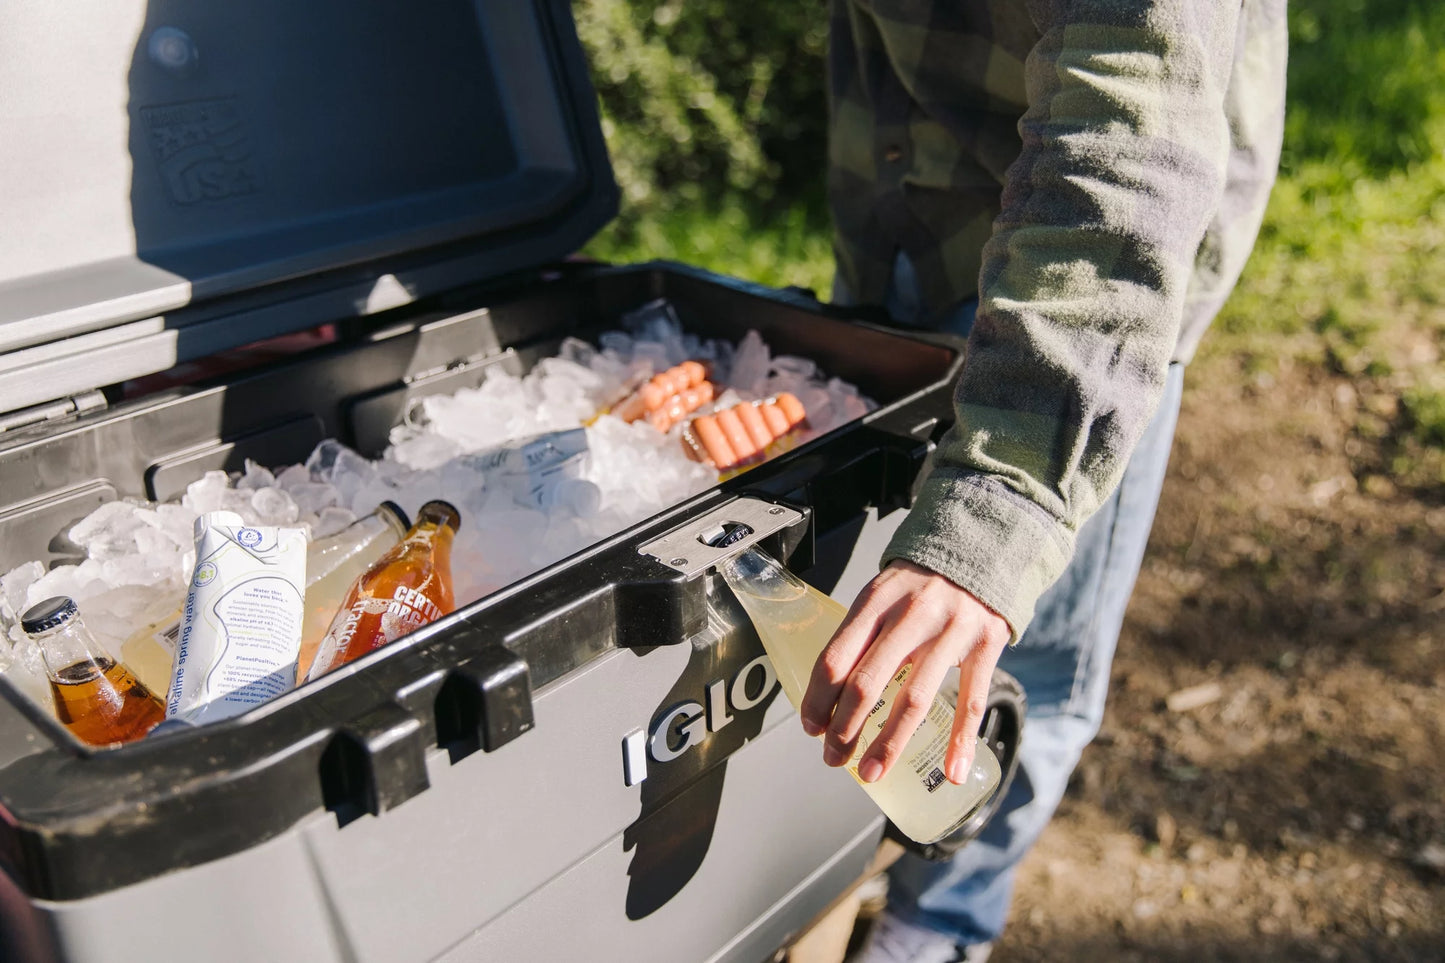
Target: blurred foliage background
column 714, row 112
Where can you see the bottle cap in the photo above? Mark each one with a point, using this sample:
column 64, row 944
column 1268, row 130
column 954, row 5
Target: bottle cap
column 397, row 511
column 53, row 612
column 450, row 516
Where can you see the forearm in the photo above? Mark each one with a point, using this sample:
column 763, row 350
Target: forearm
column 1081, row 291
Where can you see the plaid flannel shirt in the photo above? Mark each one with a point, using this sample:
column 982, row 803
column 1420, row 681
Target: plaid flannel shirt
column 1095, row 171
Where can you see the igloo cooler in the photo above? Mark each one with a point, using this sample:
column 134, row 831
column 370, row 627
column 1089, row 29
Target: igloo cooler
column 230, row 231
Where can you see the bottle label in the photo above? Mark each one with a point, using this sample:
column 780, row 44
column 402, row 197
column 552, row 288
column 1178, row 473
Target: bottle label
column 166, row 638
column 926, row 748
column 407, row 611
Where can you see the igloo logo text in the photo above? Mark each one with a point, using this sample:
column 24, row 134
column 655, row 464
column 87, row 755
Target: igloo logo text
column 688, row 724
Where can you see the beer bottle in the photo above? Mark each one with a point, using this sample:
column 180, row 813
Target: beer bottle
column 97, row 698
column 408, row 587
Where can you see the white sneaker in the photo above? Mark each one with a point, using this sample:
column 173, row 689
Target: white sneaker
column 891, row 940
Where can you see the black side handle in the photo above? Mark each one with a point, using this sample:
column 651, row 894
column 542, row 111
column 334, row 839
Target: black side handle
column 374, row 763
column 484, row 703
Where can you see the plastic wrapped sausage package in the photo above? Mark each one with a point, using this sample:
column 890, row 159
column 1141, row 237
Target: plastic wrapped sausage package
column 241, row 629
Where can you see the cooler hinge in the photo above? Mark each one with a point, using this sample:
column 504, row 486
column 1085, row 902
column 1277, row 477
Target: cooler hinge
column 61, row 408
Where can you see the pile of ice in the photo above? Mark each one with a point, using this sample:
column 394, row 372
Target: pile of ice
column 138, row 556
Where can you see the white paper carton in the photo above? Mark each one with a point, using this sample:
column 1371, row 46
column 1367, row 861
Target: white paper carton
column 241, row 629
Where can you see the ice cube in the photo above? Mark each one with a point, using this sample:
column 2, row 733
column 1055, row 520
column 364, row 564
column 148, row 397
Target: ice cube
column 577, row 351
column 652, row 318
column 177, row 522
column 312, row 497
column 580, row 497
column 749, row 372
column 108, row 530
column 73, row 581
column 652, row 353
column 13, row 586
column 115, row 615
column 292, row 477
column 618, row 342
column 794, row 368
column 256, row 476
column 423, row 450
column 25, row 668
column 240, row 503
column 154, row 542
column 332, row 519
column 847, row 403
column 333, row 462
column 273, row 507
column 138, row 570
column 380, row 490
column 207, row 493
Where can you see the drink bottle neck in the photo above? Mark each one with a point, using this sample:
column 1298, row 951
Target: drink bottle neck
column 69, row 645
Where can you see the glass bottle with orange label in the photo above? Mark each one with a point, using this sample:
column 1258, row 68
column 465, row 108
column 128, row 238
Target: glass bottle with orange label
column 406, row 588
column 97, row 698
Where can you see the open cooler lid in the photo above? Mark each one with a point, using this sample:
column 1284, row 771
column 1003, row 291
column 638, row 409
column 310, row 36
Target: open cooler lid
column 179, row 177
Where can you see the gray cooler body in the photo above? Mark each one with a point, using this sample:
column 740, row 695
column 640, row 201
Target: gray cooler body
column 592, row 763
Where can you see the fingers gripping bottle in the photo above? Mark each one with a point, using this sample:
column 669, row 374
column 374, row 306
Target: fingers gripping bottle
column 408, row 587
column 97, row 698
column 794, row 622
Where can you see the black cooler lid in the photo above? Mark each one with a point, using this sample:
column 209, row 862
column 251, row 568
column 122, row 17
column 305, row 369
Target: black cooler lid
column 182, row 176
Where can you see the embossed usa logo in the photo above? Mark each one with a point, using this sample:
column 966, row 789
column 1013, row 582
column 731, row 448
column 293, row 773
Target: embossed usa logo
column 202, row 150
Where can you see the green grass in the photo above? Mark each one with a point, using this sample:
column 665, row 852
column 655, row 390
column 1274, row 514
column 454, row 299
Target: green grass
column 791, row 249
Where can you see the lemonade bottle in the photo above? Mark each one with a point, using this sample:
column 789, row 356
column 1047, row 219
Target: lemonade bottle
column 794, row 622
column 408, row 587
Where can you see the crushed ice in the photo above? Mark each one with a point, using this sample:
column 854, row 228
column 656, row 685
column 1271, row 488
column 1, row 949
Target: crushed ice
column 138, row 556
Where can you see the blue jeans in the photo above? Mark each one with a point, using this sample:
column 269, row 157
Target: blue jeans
column 1063, row 663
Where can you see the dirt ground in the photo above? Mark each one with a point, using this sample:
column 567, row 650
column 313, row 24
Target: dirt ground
column 1298, row 813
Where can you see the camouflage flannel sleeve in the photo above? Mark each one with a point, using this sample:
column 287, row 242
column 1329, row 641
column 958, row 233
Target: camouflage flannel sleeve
column 1082, row 289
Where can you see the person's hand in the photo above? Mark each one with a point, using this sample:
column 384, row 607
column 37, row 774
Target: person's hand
column 906, row 614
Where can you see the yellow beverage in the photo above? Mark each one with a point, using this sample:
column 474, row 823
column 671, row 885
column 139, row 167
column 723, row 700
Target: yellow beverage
column 794, row 622
column 151, row 652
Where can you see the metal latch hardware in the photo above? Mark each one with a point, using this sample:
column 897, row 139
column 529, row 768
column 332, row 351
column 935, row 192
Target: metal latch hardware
column 734, row 527
column 52, row 411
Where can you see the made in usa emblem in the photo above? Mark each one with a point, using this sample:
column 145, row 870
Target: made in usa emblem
column 202, row 150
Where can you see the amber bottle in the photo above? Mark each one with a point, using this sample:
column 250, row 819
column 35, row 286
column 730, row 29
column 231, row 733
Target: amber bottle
column 97, row 698
column 408, row 587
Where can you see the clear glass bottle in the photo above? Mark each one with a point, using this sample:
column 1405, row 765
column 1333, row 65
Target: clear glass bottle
column 334, row 564
column 408, row 587
column 795, row 621
column 97, row 698
column 150, row 651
